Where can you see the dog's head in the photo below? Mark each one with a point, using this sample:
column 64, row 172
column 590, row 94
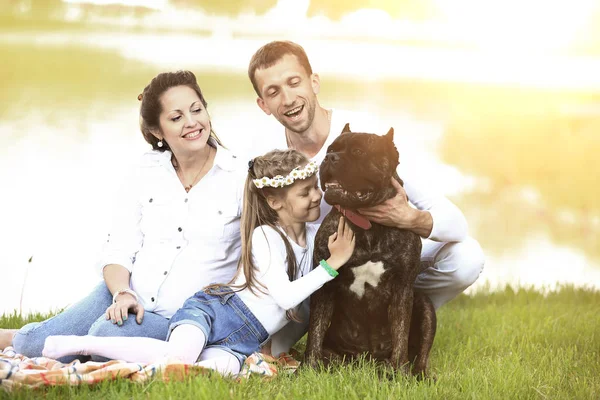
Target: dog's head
column 358, row 168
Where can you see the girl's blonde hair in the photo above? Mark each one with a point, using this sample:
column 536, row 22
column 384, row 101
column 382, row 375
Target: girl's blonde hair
column 256, row 212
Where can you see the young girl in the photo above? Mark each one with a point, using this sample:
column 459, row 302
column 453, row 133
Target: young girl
column 228, row 323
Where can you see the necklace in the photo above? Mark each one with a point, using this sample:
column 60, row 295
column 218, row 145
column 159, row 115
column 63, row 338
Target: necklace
column 178, row 170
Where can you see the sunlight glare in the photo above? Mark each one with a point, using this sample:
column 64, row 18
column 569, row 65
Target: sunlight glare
column 154, row 4
column 533, row 25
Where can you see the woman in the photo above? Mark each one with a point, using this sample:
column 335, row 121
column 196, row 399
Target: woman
column 176, row 227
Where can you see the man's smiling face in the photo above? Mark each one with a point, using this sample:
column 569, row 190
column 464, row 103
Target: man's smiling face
column 288, row 93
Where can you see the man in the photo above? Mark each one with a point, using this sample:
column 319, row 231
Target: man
column 287, row 88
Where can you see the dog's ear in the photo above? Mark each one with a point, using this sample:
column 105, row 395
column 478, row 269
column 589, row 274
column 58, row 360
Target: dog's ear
column 390, row 135
column 346, row 128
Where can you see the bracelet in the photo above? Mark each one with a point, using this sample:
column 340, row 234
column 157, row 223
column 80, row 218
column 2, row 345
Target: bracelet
column 328, row 268
column 118, row 292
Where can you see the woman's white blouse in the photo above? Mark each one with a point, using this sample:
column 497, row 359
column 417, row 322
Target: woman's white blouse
column 174, row 243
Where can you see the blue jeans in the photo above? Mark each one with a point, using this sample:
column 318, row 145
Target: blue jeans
column 226, row 321
column 87, row 317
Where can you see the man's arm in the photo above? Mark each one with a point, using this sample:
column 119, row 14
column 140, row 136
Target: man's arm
column 396, row 212
column 435, row 218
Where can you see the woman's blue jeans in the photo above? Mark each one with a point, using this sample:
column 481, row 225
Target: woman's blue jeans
column 87, row 317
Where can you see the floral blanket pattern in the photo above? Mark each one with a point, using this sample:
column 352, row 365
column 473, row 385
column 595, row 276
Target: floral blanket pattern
column 17, row 370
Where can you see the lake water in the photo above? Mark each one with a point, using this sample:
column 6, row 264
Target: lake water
column 518, row 157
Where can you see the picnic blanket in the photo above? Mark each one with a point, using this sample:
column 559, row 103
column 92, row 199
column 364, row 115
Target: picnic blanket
column 17, row 370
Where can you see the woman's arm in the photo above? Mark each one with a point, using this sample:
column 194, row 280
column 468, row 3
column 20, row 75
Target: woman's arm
column 124, row 241
column 117, row 278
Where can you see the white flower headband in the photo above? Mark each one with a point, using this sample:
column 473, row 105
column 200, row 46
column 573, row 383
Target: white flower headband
column 280, row 181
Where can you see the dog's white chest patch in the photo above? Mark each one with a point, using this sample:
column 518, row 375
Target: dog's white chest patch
column 370, row 273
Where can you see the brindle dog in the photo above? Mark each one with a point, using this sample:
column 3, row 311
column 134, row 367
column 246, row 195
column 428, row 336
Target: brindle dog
column 370, row 307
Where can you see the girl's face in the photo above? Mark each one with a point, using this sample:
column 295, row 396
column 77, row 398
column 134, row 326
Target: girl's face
column 302, row 202
column 184, row 122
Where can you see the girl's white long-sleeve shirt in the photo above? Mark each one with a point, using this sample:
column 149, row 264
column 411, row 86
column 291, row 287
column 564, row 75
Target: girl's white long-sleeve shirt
column 281, row 294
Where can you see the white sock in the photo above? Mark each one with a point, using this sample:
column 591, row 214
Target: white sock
column 220, row 360
column 185, row 344
column 60, row 346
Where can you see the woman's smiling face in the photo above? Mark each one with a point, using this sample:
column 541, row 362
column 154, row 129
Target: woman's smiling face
column 184, row 122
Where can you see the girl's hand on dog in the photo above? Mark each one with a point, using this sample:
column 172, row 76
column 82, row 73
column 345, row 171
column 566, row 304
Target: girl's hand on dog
column 341, row 245
column 118, row 311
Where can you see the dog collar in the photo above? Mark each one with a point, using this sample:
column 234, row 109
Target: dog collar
column 354, row 217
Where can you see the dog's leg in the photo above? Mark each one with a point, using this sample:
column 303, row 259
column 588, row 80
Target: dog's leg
column 321, row 311
column 422, row 333
column 331, row 357
column 399, row 313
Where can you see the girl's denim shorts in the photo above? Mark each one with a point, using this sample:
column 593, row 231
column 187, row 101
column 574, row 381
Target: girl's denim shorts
column 225, row 320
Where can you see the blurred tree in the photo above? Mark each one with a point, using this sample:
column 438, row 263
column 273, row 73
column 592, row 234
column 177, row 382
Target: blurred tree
column 34, row 8
column 334, row 9
column 230, row 7
column 45, row 6
column 400, row 9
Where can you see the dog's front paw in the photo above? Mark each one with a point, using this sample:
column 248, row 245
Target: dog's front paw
column 311, row 360
column 399, row 367
column 422, row 374
column 389, row 370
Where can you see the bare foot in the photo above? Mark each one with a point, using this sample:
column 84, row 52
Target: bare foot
column 6, row 337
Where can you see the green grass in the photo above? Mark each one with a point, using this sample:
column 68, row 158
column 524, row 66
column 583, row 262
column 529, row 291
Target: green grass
column 503, row 345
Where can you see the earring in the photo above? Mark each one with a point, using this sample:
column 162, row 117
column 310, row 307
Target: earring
column 160, row 143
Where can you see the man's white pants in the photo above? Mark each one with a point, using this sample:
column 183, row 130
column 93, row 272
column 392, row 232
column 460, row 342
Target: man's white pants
column 448, row 269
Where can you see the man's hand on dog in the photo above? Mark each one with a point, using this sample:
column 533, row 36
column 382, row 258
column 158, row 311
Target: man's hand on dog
column 341, row 245
column 396, row 212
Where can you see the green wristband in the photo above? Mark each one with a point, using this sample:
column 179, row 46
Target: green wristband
column 328, row 268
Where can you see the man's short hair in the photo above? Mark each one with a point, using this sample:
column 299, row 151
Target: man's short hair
column 269, row 54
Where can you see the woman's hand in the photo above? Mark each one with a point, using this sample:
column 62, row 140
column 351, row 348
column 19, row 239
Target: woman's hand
column 341, row 245
column 119, row 310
